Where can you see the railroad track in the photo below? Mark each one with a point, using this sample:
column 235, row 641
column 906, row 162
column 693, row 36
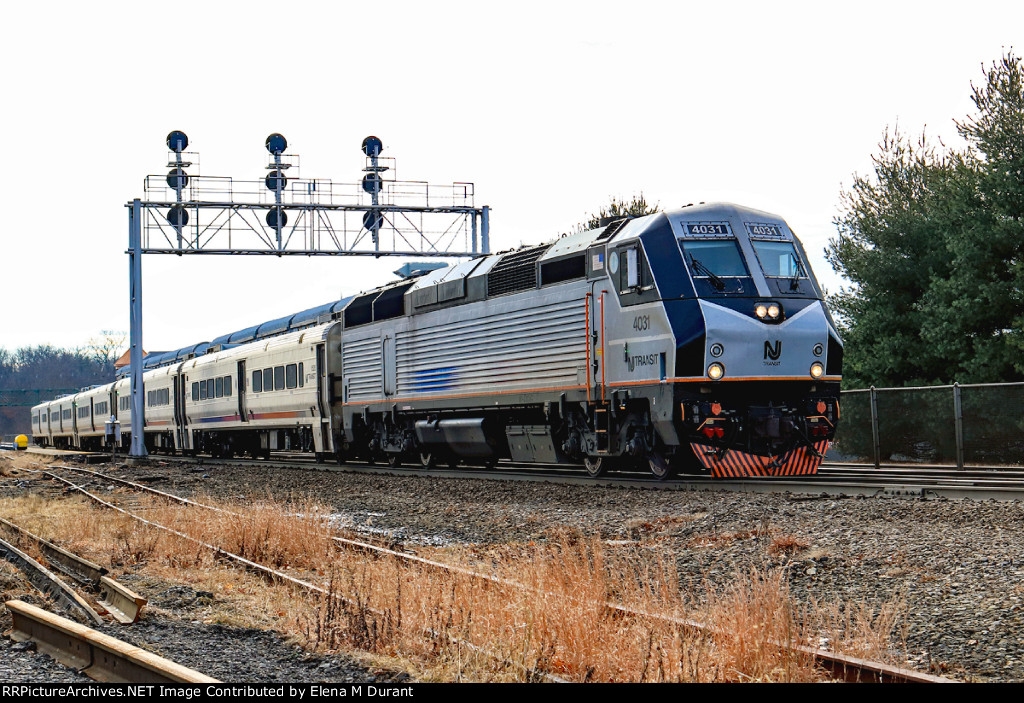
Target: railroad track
column 979, row 483
column 833, row 478
column 841, row 666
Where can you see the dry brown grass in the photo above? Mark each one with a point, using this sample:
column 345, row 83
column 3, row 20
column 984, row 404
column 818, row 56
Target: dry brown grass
column 786, row 544
column 452, row 628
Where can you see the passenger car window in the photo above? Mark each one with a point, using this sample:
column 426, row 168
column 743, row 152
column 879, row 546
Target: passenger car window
column 291, row 376
column 268, row 379
column 219, row 385
column 227, row 386
column 257, row 381
column 278, row 378
column 195, row 392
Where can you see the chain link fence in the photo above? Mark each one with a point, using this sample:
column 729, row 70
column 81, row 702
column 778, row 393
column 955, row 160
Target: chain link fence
column 958, row 425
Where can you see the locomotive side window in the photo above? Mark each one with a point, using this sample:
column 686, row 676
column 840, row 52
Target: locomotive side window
column 291, row 376
column 779, row 259
column 257, row 381
column 631, row 274
column 632, row 269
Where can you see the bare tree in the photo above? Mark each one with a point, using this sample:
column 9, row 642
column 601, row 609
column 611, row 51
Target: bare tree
column 108, row 346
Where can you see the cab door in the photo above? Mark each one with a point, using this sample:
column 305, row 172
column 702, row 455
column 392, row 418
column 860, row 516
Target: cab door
column 241, row 391
column 597, row 299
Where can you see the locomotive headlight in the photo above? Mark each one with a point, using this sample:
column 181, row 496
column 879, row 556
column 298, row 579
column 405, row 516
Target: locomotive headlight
column 774, row 311
column 716, row 371
column 817, row 370
column 761, row 310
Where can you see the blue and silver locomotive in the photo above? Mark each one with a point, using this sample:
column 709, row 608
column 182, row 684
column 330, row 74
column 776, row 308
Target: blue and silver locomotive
column 694, row 340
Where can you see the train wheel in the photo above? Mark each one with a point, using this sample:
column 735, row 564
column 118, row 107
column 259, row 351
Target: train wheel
column 595, row 465
column 428, row 460
column 660, row 466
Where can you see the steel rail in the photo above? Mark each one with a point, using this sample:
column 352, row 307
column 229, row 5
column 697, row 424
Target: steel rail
column 98, row 656
column 123, row 604
column 279, row 577
column 68, row 563
column 842, row 666
column 48, row 582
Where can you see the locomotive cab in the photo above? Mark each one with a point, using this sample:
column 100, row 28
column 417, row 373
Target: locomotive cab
column 757, row 358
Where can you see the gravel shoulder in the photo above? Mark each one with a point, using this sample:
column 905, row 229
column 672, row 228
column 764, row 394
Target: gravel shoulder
column 955, row 566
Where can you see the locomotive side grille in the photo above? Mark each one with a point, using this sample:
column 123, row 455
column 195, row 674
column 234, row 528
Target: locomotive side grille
column 516, row 347
column 515, row 272
column 362, row 368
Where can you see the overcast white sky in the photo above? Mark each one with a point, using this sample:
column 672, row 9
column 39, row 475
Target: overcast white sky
column 550, row 108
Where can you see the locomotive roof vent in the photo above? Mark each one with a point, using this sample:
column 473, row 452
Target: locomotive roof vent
column 611, row 225
column 515, row 272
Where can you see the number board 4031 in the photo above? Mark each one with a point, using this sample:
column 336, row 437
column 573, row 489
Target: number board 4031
column 707, row 229
column 765, row 230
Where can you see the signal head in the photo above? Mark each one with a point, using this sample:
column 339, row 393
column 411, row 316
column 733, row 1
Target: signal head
column 372, row 146
column 177, row 216
column 372, row 183
column 274, row 220
column 276, row 143
column 276, row 180
column 177, row 141
column 177, row 178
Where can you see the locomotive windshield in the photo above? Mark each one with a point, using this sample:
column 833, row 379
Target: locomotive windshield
column 779, row 259
column 714, row 258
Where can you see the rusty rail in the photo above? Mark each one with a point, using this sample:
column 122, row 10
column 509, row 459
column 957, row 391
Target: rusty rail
column 48, row 582
column 123, row 604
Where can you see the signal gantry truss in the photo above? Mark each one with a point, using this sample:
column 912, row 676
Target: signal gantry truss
column 286, row 215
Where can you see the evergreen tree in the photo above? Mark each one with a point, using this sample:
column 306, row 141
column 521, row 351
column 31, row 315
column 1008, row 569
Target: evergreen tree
column 637, row 207
column 932, row 241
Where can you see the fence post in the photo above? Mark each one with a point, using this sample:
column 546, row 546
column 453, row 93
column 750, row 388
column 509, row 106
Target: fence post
column 874, row 428
column 958, row 421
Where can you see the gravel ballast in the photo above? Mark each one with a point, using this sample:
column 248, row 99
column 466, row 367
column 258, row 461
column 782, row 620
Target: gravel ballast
column 954, row 566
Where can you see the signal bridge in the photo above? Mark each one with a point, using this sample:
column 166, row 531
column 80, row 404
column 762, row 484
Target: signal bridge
column 284, row 214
